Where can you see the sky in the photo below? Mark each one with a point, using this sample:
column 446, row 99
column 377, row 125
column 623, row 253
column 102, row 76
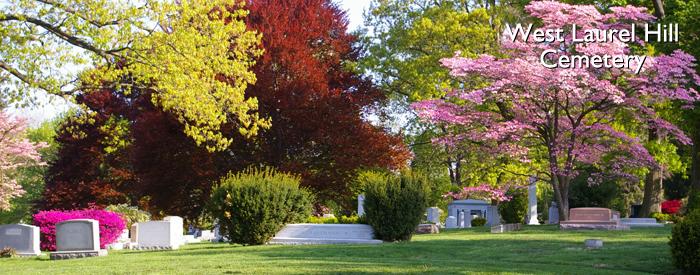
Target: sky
column 50, row 108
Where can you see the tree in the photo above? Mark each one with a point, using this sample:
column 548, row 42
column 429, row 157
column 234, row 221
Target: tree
column 565, row 117
column 15, row 152
column 31, row 178
column 316, row 102
column 180, row 49
column 405, row 40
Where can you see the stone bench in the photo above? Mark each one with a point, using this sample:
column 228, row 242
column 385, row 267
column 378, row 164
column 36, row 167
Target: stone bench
column 593, row 218
column 641, row 222
column 307, row 233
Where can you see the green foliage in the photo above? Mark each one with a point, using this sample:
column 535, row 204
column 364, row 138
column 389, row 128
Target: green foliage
column 253, row 205
column 514, row 211
column 131, row 214
column 181, row 48
column 661, row 217
column 478, row 221
column 395, row 204
column 685, row 243
column 693, row 201
column 337, row 220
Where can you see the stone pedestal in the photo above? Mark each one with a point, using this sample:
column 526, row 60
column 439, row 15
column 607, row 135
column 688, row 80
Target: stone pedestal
column 532, row 202
column 64, row 255
column 361, row 205
column 553, row 216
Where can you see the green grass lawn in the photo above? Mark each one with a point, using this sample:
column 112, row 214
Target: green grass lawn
column 535, row 250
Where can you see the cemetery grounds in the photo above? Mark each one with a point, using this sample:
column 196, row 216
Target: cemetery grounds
column 535, row 250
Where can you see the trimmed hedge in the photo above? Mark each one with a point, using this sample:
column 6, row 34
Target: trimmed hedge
column 395, row 204
column 478, row 221
column 685, row 243
column 252, row 206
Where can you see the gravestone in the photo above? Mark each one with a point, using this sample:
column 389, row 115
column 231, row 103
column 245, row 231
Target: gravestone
column 593, row 243
column 553, row 216
column 433, row 215
column 502, row 228
column 492, row 216
column 641, row 222
column 207, row 235
column 532, row 202
column 122, row 242
column 77, row 238
column 593, row 218
column 190, row 239
column 159, row 235
column 451, row 222
column 134, row 232
column 361, row 205
column 306, row 233
column 179, row 227
column 23, row 238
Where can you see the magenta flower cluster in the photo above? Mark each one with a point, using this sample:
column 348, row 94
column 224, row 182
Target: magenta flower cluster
column 111, row 225
column 481, row 192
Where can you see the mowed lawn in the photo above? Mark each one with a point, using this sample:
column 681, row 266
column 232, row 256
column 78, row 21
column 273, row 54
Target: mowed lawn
column 535, row 250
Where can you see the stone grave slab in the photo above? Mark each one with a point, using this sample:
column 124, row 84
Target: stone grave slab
column 306, row 233
column 593, row 218
column 641, row 222
column 23, row 238
column 159, row 235
column 77, row 238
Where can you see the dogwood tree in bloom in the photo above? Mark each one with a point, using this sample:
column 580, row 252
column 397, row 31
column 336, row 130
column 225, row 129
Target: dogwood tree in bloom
column 481, row 192
column 15, row 152
column 564, row 118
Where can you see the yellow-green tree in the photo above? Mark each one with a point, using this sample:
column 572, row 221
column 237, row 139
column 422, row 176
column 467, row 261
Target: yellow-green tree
column 195, row 55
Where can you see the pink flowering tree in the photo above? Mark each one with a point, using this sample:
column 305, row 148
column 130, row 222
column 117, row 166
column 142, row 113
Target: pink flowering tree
column 15, row 151
column 481, row 192
column 564, row 119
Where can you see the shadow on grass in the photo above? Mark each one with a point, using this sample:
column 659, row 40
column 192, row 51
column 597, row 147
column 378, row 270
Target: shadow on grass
column 495, row 254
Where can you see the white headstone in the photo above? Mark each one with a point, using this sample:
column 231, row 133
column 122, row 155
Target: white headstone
column 306, row 233
column 23, row 238
column 532, row 202
column 361, row 205
column 159, row 235
column 134, row 233
column 207, row 235
column 451, row 222
column 78, row 235
column 553, row 216
column 179, row 227
column 434, row 215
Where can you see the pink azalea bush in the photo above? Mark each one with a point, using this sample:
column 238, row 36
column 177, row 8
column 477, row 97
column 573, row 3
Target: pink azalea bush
column 111, row 225
column 481, row 192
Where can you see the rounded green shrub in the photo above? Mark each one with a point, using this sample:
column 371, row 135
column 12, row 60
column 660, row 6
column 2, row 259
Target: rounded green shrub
column 394, row 204
column 685, row 243
column 514, row 210
column 252, row 206
column 478, row 221
column 131, row 214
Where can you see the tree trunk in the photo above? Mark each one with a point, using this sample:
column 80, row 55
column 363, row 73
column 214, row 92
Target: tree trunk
column 562, row 198
column 659, row 9
column 653, row 186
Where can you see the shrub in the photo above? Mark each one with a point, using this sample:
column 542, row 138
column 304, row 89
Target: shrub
column 685, row 243
column 478, row 221
column 8, row 252
column 671, row 206
column 394, row 205
column 322, row 220
column 514, row 211
column 111, row 225
column 131, row 214
column 354, row 219
column 661, row 217
column 253, row 205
